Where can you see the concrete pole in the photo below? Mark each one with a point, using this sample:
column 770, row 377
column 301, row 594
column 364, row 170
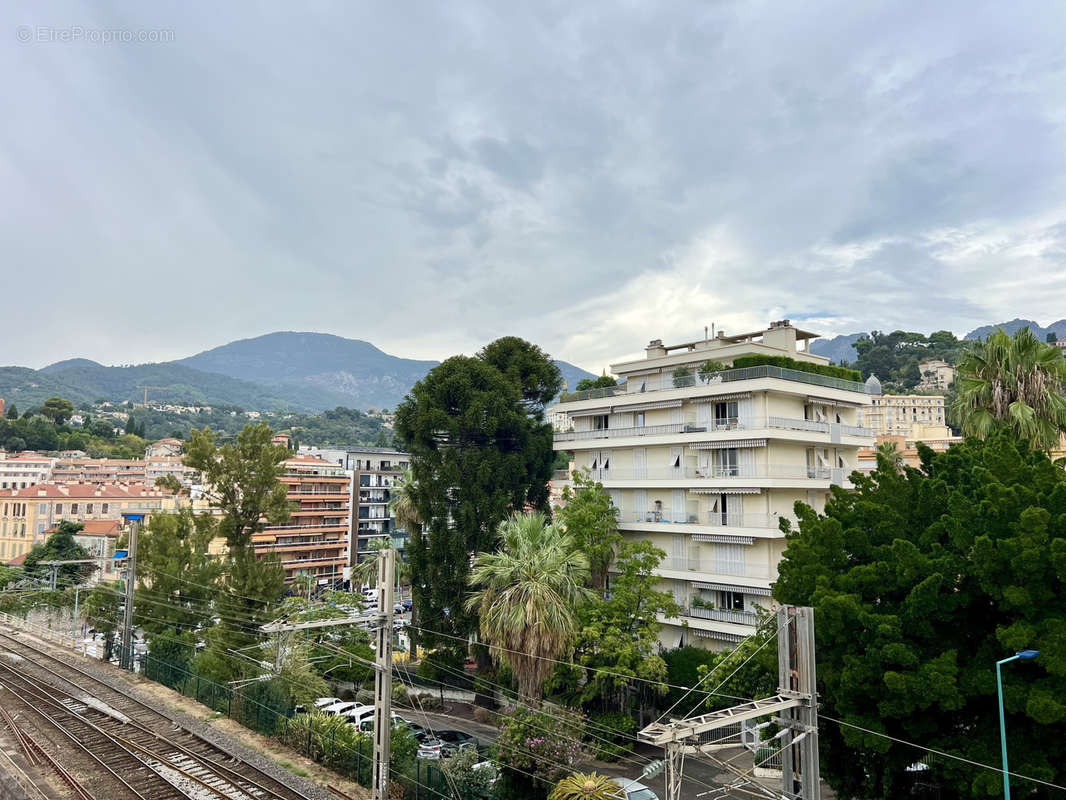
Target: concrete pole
column 383, row 676
column 127, row 659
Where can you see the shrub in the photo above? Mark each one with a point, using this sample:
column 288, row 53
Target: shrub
column 623, row 728
column 484, row 715
column 708, row 369
column 545, row 743
column 800, row 366
column 682, row 377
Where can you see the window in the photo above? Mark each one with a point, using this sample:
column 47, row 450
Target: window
column 731, row 601
column 73, row 508
column 42, row 508
column 725, row 414
column 59, row 508
column 600, row 422
column 103, row 508
column 640, row 419
column 88, row 508
column 729, row 559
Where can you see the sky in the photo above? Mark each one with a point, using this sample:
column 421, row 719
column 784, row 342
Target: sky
column 429, row 176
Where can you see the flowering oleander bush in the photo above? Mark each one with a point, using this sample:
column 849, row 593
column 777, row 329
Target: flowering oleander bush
column 539, row 746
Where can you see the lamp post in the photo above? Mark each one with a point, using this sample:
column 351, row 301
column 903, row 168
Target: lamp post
column 1021, row 655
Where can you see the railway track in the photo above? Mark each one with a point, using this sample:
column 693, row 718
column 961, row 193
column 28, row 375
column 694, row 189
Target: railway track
column 146, row 754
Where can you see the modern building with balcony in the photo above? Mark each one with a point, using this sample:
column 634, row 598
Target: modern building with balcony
column 706, row 464
column 314, row 543
column 375, row 471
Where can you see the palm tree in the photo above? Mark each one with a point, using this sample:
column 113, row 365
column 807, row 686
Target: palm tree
column 890, row 452
column 527, row 596
column 1014, row 380
column 586, row 786
column 365, row 573
column 402, row 503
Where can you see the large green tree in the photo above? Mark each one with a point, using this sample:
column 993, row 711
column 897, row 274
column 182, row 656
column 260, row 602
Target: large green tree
column 527, row 594
column 479, row 450
column 1017, row 380
column 619, row 635
column 57, row 410
column 921, row 579
column 60, row 546
column 591, row 518
column 243, row 487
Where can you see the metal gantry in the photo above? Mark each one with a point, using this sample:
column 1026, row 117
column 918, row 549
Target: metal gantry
column 794, row 708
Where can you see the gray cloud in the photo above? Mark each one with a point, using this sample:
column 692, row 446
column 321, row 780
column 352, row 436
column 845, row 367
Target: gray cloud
column 430, row 176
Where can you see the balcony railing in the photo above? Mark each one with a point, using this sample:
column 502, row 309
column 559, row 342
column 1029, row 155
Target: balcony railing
column 713, row 472
column 725, row 424
column 722, row 615
column 716, row 519
column 728, row 376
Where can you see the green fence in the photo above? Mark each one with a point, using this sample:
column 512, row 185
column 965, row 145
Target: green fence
column 256, row 706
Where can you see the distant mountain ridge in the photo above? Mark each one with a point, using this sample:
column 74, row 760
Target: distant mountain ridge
column 841, row 348
column 298, row 371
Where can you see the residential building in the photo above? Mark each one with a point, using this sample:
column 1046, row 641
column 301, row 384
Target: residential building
column 99, row 537
column 19, row 470
column 156, row 467
column 936, row 374
column 164, row 447
column 100, row 471
column 25, row 514
column 375, row 471
column 897, row 414
column 706, row 467
column 314, row 543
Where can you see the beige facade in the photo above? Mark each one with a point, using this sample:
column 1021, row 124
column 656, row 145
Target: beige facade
column 100, row 471
column 936, row 374
column 26, row 514
column 898, row 414
column 706, row 469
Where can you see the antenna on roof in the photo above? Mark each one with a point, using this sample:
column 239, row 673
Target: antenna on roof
column 712, row 330
column 705, row 333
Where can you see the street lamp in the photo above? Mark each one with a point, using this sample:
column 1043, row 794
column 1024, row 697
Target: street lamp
column 1021, row 655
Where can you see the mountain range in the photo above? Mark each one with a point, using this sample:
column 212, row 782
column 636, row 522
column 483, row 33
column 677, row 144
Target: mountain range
column 283, row 370
column 841, row 348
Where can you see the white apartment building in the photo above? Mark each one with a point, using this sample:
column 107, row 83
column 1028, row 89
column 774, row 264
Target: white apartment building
column 707, row 468
column 21, row 470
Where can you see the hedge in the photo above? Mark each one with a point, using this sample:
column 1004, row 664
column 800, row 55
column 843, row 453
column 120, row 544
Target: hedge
column 801, row 366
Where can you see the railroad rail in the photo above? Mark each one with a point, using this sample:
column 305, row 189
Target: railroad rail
column 138, row 745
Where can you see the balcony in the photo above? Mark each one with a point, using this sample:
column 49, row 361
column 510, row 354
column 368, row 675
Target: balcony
column 715, row 519
column 713, row 472
column 728, row 376
column 722, row 615
column 723, row 424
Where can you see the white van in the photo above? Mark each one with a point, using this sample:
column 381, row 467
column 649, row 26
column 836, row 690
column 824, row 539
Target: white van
column 337, row 708
column 358, row 713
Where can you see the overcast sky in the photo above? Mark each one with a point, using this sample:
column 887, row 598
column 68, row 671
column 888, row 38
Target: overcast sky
column 431, row 175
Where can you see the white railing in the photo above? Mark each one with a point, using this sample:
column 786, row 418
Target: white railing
column 856, row 430
column 788, row 423
column 712, row 472
column 607, row 433
column 716, row 519
column 731, row 424
column 723, row 615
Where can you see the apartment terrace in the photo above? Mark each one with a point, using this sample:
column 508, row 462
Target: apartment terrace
column 725, row 376
column 831, row 429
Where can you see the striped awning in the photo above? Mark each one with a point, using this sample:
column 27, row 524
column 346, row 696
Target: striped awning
column 591, row 412
column 722, row 538
column 726, row 490
column 720, row 397
column 762, row 591
column 726, row 444
column 721, row 636
column 827, row 401
column 648, row 406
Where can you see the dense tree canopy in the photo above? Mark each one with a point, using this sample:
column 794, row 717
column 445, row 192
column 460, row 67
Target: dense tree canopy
column 60, row 546
column 894, row 357
column 591, row 518
column 921, row 579
column 479, row 450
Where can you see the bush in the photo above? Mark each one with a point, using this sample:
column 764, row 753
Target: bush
column 485, row 716
column 682, row 669
column 623, row 729
column 544, row 743
column 365, row 697
column 682, row 377
column 801, row 366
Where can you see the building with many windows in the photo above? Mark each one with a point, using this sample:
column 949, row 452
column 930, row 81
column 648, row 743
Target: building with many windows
column 936, row 374
column 26, row 514
column 314, row 543
column 375, row 471
column 706, row 463
column 100, row 471
column 19, row 470
column 901, row 414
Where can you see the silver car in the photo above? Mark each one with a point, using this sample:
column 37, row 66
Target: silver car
column 633, row 790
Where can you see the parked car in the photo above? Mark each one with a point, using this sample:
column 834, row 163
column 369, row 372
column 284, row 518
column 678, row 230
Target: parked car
column 635, row 790
column 430, row 748
column 368, row 723
column 407, row 604
column 358, row 713
column 339, row 707
column 319, row 704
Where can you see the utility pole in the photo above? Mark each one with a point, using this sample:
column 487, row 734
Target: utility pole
column 794, row 708
column 383, row 675
column 127, row 659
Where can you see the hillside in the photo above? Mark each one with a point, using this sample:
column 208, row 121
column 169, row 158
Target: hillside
column 839, row 349
column 357, row 371
column 279, row 371
column 1058, row 328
